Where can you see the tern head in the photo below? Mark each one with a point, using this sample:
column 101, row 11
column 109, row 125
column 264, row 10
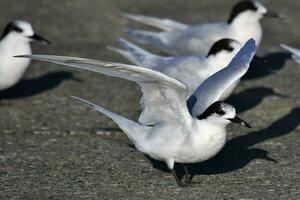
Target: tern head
column 251, row 9
column 222, row 113
column 223, row 51
column 23, row 31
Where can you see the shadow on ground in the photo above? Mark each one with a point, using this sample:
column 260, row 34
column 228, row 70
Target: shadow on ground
column 238, row 152
column 274, row 62
column 31, row 87
column 252, row 97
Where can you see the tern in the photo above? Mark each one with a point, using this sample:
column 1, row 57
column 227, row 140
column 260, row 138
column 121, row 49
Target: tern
column 15, row 39
column 177, row 38
column 166, row 130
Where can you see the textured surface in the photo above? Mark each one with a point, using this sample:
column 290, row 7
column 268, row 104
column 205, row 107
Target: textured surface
column 51, row 147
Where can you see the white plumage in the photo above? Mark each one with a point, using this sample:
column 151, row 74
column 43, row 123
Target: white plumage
column 190, row 70
column 15, row 40
column 181, row 39
column 166, row 130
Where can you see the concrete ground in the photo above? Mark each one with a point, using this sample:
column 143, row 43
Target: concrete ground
column 53, row 148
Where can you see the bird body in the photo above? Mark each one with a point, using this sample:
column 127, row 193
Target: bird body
column 196, row 40
column 190, row 70
column 243, row 24
column 15, row 40
column 11, row 69
column 199, row 142
column 174, row 142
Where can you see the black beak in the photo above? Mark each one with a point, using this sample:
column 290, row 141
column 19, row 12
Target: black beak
column 273, row 14
column 260, row 59
column 39, row 38
column 238, row 120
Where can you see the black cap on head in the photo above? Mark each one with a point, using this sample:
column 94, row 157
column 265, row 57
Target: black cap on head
column 241, row 7
column 221, row 108
column 215, row 108
column 223, row 44
column 9, row 28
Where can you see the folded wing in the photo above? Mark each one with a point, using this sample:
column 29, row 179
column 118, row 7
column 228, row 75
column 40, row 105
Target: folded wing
column 167, row 25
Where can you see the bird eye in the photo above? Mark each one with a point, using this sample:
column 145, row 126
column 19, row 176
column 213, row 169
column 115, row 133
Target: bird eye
column 230, row 49
column 17, row 29
column 220, row 112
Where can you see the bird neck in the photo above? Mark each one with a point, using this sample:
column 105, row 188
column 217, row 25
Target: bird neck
column 219, row 60
column 15, row 39
column 246, row 18
column 15, row 44
column 247, row 25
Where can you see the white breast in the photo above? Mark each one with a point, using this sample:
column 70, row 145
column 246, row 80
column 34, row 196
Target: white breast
column 203, row 144
column 192, row 144
column 12, row 69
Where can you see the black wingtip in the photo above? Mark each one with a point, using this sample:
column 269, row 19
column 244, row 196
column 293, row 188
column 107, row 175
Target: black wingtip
column 20, row 56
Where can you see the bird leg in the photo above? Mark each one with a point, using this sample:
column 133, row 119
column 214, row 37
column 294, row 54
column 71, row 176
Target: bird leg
column 178, row 181
column 188, row 177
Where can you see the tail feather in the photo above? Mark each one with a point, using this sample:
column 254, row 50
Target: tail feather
column 134, row 131
column 126, row 54
column 150, row 37
column 134, row 49
column 295, row 52
column 137, row 55
column 163, row 24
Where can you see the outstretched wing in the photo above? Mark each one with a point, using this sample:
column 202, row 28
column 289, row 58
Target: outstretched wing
column 212, row 88
column 295, row 52
column 167, row 25
column 164, row 97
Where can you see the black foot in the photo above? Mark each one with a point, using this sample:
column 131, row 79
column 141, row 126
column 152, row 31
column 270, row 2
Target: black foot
column 178, row 181
column 188, row 179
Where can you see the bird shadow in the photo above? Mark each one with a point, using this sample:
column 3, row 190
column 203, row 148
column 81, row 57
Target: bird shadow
column 252, row 97
column 274, row 62
column 237, row 152
column 33, row 86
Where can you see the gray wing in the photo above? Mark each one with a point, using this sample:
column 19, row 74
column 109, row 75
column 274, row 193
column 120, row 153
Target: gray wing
column 212, row 88
column 163, row 24
column 164, row 97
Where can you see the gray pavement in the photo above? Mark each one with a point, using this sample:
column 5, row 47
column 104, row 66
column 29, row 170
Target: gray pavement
column 53, row 148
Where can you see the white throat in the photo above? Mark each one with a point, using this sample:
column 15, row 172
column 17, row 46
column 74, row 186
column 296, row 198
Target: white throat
column 247, row 25
column 220, row 60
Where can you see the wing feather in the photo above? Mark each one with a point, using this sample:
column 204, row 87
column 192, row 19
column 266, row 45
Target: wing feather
column 167, row 25
column 164, row 97
column 214, row 87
